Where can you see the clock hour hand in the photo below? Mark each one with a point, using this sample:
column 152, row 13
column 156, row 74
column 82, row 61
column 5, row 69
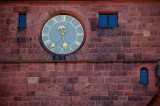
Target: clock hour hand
column 64, row 45
column 63, row 30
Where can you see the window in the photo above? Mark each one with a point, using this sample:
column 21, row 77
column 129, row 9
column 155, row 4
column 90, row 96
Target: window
column 22, row 20
column 144, row 76
column 108, row 20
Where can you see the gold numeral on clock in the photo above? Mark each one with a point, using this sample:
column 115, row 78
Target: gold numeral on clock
column 78, row 43
column 47, row 42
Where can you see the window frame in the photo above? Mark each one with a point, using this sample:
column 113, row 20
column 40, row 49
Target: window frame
column 108, row 26
column 19, row 25
column 141, row 76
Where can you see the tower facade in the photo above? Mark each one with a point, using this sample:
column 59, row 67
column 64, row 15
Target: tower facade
column 79, row 52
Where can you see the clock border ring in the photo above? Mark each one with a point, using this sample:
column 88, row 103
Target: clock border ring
column 72, row 15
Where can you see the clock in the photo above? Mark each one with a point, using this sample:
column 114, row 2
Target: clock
column 62, row 35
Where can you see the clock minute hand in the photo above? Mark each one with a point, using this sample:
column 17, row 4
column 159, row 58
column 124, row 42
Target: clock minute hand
column 53, row 45
column 64, row 45
column 58, row 39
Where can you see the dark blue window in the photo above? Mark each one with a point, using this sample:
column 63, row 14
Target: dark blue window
column 144, row 76
column 113, row 20
column 22, row 21
column 108, row 20
column 103, row 20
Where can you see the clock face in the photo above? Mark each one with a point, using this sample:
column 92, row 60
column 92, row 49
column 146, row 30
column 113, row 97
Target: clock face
column 62, row 34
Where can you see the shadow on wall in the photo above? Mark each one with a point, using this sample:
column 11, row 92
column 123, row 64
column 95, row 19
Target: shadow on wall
column 155, row 101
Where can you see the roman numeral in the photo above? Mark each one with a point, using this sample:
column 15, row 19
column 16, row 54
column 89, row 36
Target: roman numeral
column 48, row 26
column 53, row 49
column 78, row 43
column 70, row 49
column 54, row 19
column 72, row 20
column 47, row 42
column 44, row 34
column 61, row 50
column 80, row 34
column 77, row 26
column 63, row 18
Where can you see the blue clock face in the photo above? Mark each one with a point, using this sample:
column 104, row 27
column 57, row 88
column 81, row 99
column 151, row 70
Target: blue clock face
column 62, row 34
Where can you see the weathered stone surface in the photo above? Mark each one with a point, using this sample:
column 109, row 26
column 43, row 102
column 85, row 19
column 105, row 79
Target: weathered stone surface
column 33, row 80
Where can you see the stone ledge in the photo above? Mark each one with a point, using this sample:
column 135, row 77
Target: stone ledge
column 79, row 61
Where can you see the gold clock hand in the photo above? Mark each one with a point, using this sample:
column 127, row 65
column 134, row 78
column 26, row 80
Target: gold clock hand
column 58, row 39
column 53, row 45
column 65, row 45
column 60, row 28
column 63, row 39
column 63, row 30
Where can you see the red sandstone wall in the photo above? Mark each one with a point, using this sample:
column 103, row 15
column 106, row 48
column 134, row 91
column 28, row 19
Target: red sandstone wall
column 137, row 36
column 76, row 84
column 79, row 84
